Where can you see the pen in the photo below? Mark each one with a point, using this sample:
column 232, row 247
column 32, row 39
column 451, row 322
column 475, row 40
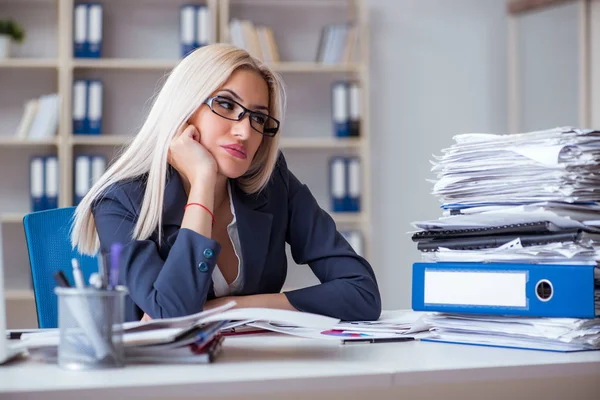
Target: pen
column 61, row 279
column 102, row 270
column 77, row 275
column 378, row 340
column 115, row 255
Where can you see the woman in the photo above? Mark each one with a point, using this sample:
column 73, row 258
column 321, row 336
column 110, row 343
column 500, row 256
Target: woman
column 203, row 203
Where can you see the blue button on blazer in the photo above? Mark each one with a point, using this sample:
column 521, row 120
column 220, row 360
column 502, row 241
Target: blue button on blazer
column 175, row 278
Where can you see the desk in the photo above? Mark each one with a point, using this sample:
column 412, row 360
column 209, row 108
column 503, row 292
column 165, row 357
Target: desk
column 270, row 366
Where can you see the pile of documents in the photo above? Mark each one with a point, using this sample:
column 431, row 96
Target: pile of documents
column 518, row 239
column 551, row 334
column 527, row 197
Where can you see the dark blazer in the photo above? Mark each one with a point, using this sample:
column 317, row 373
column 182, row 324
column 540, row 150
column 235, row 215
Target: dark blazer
column 175, row 278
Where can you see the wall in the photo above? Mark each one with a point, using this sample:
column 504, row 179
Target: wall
column 439, row 68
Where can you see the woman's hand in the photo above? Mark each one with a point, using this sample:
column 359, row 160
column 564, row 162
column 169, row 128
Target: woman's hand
column 189, row 157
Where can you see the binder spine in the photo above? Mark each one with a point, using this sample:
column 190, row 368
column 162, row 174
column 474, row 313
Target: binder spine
column 95, row 30
column 337, row 183
column 51, row 178
column 203, row 27
column 80, row 29
column 82, row 177
column 353, row 193
column 80, row 124
column 95, row 96
column 97, row 169
column 532, row 290
column 354, row 109
column 36, row 183
column 340, row 116
column 187, row 18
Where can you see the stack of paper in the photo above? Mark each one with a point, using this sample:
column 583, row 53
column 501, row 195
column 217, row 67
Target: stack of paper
column 527, row 197
column 511, row 201
column 553, row 334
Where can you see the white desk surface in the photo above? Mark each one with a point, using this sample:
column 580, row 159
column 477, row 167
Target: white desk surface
column 269, row 363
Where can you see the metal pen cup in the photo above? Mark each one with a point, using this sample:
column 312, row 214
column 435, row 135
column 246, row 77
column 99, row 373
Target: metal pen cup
column 90, row 325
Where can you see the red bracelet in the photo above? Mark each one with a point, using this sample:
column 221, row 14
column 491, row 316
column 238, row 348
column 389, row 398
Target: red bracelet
column 200, row 205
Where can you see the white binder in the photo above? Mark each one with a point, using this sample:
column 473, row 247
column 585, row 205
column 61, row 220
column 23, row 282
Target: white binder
column 36, row 183
column 340, row 109
column 353, row 170
column 80, row 30
column 82, row 177
column 80, row 94
column 97, row 169
column 337, row 182
column 203, row 27
column 94, row 107
column 354, row 108
column 95, row 30
column 51, row 178
column 187, row 21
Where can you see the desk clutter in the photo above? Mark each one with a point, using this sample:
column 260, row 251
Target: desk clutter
column 198, row 338
column 513, row 260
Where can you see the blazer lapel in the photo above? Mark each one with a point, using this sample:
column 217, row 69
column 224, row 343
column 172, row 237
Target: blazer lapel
column 254, row 229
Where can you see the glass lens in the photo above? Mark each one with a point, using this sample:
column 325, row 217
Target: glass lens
column 226, row 108
column 229, row 109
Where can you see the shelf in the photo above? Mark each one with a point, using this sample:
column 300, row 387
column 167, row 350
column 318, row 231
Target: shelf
column 347, row 217
column 292, row 66
column 149, row 64
column 15, row 142
column 12, row 218
column 124, row 63
column 320, row 143
column 29, row 63
column 19, row 295
column 100, row 140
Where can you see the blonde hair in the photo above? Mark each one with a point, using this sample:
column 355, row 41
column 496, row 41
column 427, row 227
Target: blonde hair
column 188, row 85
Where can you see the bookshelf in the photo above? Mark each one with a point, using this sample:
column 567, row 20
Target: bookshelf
column 134, row 61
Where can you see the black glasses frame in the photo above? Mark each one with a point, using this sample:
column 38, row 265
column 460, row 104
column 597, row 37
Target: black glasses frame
column 270, row 132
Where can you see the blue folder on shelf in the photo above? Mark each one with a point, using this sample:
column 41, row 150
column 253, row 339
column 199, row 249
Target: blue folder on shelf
column 532, row 290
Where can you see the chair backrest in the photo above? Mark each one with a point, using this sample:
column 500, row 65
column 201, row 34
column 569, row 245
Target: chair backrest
column 49, row 246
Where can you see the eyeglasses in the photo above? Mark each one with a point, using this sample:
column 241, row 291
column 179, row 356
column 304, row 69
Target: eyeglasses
column 234, row 111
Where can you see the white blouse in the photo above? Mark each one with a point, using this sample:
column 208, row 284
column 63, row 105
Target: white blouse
column 219, row 283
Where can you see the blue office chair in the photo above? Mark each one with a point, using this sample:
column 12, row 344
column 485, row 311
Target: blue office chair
column 49, row 246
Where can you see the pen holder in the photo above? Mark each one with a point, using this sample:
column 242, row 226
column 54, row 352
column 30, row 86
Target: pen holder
column 90, row 324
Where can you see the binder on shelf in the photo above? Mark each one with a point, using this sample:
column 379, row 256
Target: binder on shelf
column 340, row 107
column 94, row 107
column 337, row 183
column 29, row 113
column 353, row 179
column 532, row 290
column 36, row 183
column 45, row 123
column 354, row 109
column 203, row 28
column 98, row 166
column 94, row 30
column 80, row 30
column 187, row 28
column 51, row 175
column 80, row 95
column 82, row 179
